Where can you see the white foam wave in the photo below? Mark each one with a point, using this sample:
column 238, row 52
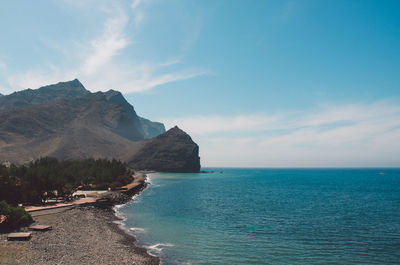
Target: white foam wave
column 148, row 179
column 119, row 214
column 135, row 199
column 137, row 229
column 159, row 247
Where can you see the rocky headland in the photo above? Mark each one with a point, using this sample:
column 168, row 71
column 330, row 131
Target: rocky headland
column 173, row 151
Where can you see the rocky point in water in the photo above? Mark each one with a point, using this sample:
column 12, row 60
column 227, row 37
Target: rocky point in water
column 173, row 151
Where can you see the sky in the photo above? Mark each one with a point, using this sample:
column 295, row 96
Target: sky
column 255, row 83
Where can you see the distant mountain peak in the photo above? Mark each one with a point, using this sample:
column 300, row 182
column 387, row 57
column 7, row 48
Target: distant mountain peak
column 74, row 85
column 177, row 132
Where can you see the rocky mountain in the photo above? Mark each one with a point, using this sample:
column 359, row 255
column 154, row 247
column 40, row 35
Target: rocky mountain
column 68, row 122
column 63, row 90
column 168, row 152
column 148, row 129
column 72, row 90
column 151, row 128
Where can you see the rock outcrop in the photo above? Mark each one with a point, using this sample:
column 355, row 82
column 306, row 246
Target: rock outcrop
column 173, row 151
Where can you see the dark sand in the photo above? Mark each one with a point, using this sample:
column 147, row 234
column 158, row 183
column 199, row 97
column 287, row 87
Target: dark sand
column 80, row 235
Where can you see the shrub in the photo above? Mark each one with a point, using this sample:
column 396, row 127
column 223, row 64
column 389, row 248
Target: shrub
column 14, row 216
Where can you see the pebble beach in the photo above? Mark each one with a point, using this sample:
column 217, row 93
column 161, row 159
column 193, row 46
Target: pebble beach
column 79, row 235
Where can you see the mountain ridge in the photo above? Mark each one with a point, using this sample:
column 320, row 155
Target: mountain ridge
column 62, row 90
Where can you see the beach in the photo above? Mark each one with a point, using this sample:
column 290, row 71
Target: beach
column 80, row 235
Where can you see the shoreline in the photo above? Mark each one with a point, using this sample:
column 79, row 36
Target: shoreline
column 90, row 234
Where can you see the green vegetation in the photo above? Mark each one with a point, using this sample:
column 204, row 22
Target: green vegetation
column 11, row 217
column 49, row 178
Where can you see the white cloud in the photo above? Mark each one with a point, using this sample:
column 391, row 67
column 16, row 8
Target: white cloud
column 107, row 46
column 203, row 125
column 137, row 78
column 346, row 135
column 138, row 10
column 100, row 63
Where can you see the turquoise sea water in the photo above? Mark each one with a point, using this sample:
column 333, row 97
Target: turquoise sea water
column 270, row 216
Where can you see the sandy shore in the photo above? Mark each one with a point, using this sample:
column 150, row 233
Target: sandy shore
column 80, row 235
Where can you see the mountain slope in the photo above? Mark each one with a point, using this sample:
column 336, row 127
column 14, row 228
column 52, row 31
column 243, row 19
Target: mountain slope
column 80, row 128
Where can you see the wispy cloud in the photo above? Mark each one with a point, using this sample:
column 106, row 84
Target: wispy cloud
column 100, row 63
column 330, row 135
column 138, row 10
column 107, row 46
column 204, row 125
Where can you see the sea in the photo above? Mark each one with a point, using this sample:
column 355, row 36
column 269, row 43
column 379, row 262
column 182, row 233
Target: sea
column 269, row 216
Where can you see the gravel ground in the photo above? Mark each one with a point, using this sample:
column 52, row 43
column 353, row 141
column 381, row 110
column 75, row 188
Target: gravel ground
column 80, row 235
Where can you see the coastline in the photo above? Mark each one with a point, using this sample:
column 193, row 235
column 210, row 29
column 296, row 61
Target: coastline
column 89, row 234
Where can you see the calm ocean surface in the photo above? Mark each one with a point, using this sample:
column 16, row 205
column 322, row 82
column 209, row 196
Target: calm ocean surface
column 270, row 216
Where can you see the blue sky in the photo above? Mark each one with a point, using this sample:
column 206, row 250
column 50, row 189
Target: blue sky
column 255, row 83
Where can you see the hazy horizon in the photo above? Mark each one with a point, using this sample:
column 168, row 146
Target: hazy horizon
column 267, row 84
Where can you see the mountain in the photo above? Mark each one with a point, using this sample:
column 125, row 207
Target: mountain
column 68, row 122
column 148, row 129
column 74, row 89
column 63, row 90
column 68, row 129
column 173, row 151
column 151, row 128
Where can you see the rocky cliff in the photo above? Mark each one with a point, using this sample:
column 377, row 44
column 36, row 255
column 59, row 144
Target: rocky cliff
column 173, row 151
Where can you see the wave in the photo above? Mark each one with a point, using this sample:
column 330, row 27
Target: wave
column 159, row 247
column 137, row 229
column 117, row 209
column 119, row 214
column 135, row 199
column 148, row 178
